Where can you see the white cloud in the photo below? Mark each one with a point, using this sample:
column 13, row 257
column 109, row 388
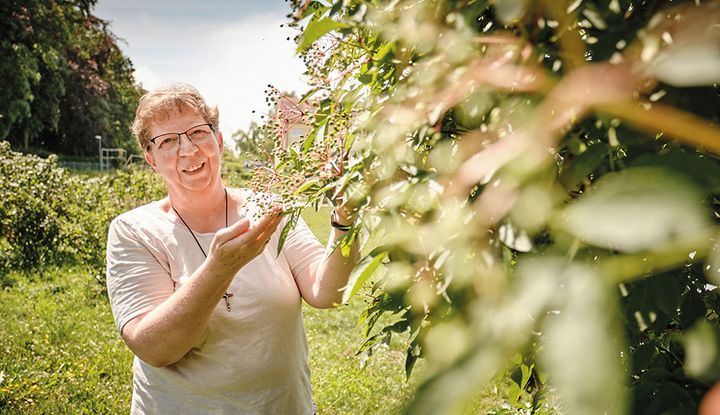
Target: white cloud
column 145, row 77
column 230, row 55
column 250, row 55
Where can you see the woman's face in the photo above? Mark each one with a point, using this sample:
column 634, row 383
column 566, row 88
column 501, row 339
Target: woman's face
column 189, row 167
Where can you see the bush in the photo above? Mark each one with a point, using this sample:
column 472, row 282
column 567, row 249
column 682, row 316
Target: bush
column 543, row 179
column 32, row 192
column 48, row 216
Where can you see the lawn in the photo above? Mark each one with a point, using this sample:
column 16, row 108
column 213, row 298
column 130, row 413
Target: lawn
column 60, row 352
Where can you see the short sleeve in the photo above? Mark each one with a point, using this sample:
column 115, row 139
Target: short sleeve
column 301, row 247
column 137, row 281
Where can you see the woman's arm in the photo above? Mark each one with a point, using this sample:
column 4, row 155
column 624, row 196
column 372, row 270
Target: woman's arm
column 322, row 283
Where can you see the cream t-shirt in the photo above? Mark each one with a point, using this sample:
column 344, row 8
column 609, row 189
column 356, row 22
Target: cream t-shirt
column 251, row 360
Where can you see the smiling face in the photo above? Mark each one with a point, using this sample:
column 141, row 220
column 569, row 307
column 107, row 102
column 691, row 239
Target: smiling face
column 190, row 169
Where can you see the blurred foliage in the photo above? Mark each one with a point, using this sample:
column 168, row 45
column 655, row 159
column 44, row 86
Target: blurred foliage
column 48, row 216
column 253, row 142
column 544, row 180
column 65, row 79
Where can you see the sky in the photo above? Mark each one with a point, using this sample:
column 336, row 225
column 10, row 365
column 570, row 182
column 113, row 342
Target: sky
column 229, row 50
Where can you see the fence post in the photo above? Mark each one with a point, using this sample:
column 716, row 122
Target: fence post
column 100, row 155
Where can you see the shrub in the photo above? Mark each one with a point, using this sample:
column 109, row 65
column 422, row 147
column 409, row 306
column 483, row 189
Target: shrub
column 48, row 216
column 32, row 208
column 543, row 178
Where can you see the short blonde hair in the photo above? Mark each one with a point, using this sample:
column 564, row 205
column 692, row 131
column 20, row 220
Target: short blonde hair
column 163, row 102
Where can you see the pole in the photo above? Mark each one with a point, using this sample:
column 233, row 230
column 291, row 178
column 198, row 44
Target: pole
column 100, row 157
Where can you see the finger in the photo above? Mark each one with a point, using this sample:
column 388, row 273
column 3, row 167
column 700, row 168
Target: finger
column 269, row 230
column 250, row 236
column 233, row 231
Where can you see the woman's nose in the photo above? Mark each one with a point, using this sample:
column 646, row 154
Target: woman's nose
column 186, row 147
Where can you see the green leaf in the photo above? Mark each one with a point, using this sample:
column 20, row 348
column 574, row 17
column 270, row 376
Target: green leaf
column 642, row 355
column 289, row 225
column 362, row 272
column 670, row 399
column 692, row 308
column 314, row 8
column 306, row 185
column 702, row 348
column 526, row 373
column 312, row 137
column 337, row 6
column 315, row 30
column 414, row 351
column 637, row 209
column 580, row 167
column 653, row 302
column 387, row 50
column 582, row 339
column 513, row 391
column 308, row 94
column 704, row 170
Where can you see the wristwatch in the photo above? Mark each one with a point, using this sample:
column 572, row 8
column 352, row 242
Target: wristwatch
column 337, row 225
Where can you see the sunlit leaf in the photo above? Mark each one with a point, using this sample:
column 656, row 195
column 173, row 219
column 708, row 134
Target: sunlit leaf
column 704, row 170
column 510, row 11
column 362, row 272
column 687, row 54
column 712, row 267
column 584, row 339
column 636, row 209
column 691, row 66
column 702, row 346
column 289, row 225
column 315, row 30
column 514, row 238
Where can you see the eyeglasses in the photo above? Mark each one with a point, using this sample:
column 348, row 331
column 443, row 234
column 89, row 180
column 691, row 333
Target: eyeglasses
column 170, row 141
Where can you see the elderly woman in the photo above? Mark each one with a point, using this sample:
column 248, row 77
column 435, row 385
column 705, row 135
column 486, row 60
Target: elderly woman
column 198, row 291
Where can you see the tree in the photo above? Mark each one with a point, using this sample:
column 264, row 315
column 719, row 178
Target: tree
column 67, row 80
column 32, row 68
column 253, row 142
column 101, row 94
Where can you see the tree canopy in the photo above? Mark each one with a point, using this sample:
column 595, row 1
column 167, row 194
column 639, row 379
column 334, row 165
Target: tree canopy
column 65, row 80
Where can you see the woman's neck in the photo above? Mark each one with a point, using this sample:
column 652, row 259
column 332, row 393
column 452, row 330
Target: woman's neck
column 202, row 212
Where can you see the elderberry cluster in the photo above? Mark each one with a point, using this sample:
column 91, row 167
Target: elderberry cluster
column 300, row 163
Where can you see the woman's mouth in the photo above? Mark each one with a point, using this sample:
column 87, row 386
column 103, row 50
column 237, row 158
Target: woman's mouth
column 194, row 167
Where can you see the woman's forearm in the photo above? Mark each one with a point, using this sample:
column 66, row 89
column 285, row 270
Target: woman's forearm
column 168, row 332
column 331, row 276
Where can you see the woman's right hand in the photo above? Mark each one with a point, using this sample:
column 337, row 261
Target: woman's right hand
column 240, row 243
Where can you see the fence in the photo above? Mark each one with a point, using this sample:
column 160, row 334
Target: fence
column 111, row 160
column 79, row 165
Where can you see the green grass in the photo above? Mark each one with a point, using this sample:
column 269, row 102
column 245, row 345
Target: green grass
column 340, row 384
column 59, row 350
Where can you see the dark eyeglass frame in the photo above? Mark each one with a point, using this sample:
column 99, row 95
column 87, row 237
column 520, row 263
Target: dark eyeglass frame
column 152, row 140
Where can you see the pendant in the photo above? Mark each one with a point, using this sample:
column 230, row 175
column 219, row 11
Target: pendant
column 226, row 297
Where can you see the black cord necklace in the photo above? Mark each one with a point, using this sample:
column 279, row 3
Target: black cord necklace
column 227, row 295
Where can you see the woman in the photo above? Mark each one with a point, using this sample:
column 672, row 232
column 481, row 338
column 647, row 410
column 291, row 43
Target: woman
column 198, row 291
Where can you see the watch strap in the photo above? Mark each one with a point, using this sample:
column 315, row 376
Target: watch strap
column 335, row 224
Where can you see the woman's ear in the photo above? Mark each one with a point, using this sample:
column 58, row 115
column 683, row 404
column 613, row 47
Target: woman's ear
column 149, row 159
column 220, row 140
